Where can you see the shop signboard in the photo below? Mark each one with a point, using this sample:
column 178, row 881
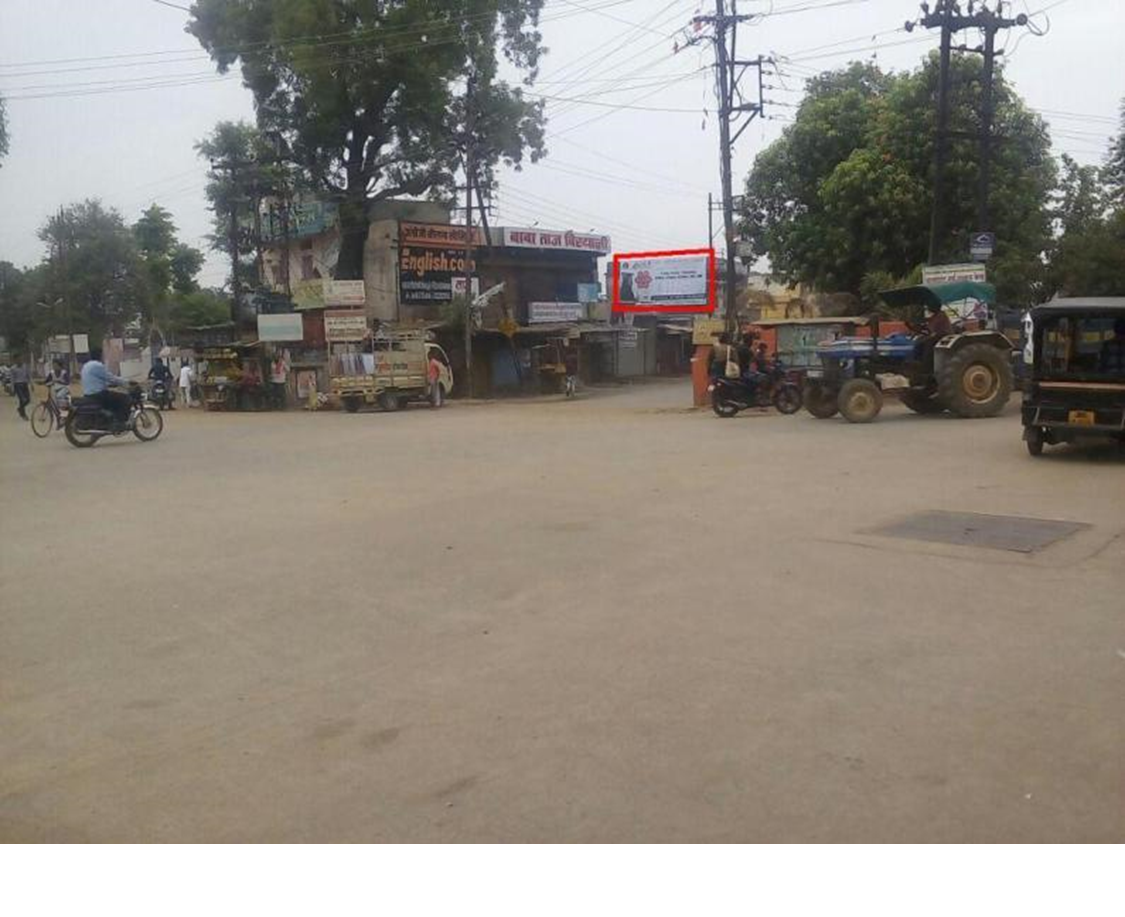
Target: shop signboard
column 538, row 312
column 557, row 239
column 707, row 330
column 58, row 343
column 344, row 293
column 588, row 292
column 425, row 275
column 81, row 343
column 345, row 326
column 436, row 235
column 954, row 273
column 671, row 281
column 308, row 294
column 281, row 327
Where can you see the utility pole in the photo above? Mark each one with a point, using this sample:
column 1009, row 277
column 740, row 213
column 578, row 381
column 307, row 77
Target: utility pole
column 470, row 167
column 732, row 106
column 948, row 17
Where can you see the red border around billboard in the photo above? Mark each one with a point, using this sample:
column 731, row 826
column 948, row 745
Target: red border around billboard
column 681, row 308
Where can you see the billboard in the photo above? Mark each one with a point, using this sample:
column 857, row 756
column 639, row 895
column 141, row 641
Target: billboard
column 425, row 275
column 668, row 281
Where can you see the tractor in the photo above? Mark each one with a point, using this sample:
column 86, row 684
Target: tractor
column 968, row 373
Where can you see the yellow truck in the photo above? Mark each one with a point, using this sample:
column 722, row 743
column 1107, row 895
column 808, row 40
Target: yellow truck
column 386, row 367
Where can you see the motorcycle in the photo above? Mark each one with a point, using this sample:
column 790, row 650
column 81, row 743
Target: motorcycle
column 729, row 396
column 89, row 421
column 160, row 395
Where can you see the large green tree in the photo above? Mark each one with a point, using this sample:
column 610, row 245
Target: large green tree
column 846, row 191
column 1088, row 254
column 95, row 277
column 365, row 93
column 169, row 267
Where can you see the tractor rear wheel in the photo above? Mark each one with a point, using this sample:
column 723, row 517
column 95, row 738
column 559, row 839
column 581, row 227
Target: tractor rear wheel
column 860, row 400
column 920, row 403
column 976, row 381
column 820, row 401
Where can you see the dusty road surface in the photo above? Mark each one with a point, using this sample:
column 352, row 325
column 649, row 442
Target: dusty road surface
column 611, row 619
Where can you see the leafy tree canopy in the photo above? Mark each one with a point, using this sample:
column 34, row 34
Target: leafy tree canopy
column 846, row 191
column 364, row 92
column 94, row 268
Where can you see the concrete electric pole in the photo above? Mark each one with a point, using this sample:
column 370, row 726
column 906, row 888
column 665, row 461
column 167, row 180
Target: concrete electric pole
column 732, row 106
column 947, row 16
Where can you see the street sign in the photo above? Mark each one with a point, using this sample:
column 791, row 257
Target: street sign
column 982, row 245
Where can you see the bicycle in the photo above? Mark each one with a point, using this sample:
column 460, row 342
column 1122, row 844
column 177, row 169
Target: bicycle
column 47, row 415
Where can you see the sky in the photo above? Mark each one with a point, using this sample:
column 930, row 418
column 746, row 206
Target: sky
column 107, row 99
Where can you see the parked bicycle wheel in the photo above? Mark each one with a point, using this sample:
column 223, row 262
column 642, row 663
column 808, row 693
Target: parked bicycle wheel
column 43, row 419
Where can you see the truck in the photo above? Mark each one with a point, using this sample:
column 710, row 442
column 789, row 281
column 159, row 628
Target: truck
column 386, row 367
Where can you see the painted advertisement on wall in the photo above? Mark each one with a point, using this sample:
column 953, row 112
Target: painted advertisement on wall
column 426, row 275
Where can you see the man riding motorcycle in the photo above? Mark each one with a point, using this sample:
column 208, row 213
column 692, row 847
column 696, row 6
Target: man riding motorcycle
column 96, row 380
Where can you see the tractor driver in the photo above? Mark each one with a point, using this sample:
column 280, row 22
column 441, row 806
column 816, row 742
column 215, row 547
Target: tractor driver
column 938, row 326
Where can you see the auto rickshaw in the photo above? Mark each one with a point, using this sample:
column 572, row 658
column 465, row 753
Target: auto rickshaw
column 1076, row 380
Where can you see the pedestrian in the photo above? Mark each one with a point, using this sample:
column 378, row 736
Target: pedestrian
column 279, row 380
column 21, row 385
column 186, row 376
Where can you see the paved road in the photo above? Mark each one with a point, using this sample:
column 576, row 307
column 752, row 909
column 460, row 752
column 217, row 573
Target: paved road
column 604, row 620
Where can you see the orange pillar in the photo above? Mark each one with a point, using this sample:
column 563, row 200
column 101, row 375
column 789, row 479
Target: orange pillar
column 699, row 377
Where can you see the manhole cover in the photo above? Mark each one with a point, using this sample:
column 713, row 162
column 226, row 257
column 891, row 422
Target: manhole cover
column 977, row 530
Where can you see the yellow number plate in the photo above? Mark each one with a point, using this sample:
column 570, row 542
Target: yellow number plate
column 1082, row 418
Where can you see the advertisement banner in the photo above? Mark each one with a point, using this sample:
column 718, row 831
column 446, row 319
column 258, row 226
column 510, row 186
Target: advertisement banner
column 538, row 312
column 345, row 326
column 280, row 328
column 344, row 293
column 680, row 281
column 426, row 274
column 558, row 239
column 436, row 235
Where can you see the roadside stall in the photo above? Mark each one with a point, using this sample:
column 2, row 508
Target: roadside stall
column 230, row 377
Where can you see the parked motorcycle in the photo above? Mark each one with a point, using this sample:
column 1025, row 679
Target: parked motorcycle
column 729, row 396
column 89, row 421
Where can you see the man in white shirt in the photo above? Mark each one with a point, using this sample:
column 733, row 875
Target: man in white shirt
column 186, row 376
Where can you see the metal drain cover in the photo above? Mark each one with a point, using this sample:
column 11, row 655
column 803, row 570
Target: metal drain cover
column 977, row 530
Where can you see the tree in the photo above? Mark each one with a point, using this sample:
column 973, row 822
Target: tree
column 1088, row 255
column 363, row 92
column 847, row 190
column 235, row 191
column 1114, row 172
column 169, row 266
column 94, row 269
column 199, row 309
column 3, row 128
column 19, row 292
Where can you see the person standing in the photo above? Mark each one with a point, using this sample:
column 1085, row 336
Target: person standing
column 21, row 386
column 279, row 380
column 186, row 376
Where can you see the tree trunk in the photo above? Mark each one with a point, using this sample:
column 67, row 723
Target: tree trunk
column 353, row 237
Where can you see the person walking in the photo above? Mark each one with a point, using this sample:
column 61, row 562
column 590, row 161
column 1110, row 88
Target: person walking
column 186, row 377
column 21, row 386
column 279, row 380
